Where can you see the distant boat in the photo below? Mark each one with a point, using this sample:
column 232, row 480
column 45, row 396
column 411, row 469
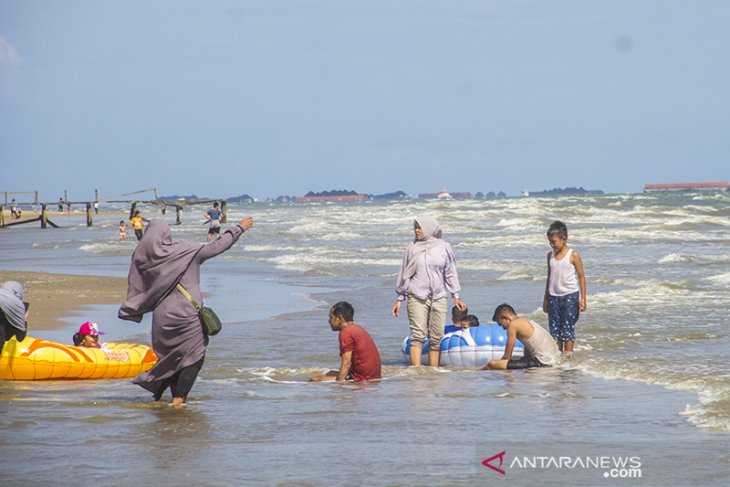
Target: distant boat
column 525, row 193
column 444, row 195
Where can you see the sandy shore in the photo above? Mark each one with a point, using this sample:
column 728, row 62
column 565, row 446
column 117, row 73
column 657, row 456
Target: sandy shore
column 56, row 296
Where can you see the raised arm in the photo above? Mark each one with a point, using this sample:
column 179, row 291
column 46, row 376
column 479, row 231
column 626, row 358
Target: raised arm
column 226, row 241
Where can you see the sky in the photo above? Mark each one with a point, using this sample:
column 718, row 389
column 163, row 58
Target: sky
column 281, row 97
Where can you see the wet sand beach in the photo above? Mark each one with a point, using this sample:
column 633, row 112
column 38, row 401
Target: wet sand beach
column 55, row 296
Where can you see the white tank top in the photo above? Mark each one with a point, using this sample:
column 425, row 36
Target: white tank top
column 563, row 278
column 541, row 345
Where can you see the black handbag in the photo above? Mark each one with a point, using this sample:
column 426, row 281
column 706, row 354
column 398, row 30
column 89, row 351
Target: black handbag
column 211, row 323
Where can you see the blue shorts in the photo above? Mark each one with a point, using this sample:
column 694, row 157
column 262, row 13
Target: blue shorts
column 563, row 313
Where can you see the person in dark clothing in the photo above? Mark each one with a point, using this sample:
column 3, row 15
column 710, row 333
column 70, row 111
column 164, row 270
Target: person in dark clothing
column 13, row 312
column 159, row 264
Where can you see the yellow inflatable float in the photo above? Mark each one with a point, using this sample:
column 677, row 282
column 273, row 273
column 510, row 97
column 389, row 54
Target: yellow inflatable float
column 36, row 359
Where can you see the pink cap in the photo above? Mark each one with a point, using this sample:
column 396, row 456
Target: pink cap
column 90, row 328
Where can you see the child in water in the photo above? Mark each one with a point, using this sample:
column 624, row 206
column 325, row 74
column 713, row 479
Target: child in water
column 88, row 336
column 565, row 289
column 122, row 230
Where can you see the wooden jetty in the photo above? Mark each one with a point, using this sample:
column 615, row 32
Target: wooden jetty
column 93, row 206
column 43, row 217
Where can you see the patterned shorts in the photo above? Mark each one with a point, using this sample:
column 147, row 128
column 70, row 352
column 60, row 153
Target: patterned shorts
column 563, row 313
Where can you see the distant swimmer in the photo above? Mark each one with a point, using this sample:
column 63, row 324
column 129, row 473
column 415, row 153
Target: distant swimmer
column 359, row 357
column 213, row 216
column 565, row 289
column 540, row 348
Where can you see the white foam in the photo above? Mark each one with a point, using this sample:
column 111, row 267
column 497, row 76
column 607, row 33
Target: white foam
column 713, row 395
column 484, row 264
column 328, row 262
column 720, row 278
column 676, row 258
column 522, row 273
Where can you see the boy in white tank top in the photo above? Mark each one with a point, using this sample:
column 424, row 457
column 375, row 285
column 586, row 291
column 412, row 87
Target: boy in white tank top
column 565, row 289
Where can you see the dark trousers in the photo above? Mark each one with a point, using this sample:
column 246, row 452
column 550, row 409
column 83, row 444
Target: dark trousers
column 182, row 381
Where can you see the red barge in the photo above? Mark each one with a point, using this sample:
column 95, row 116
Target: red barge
column 652, row 188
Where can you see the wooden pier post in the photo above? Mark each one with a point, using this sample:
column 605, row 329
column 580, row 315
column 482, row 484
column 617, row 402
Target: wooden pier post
column 89, row 217
column 44, row 216
column 178, row 211
column 224, row 211
column 2, row 214
column 131, row 210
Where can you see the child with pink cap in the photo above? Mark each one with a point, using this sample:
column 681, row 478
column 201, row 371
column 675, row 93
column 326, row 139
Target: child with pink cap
column 88, row 335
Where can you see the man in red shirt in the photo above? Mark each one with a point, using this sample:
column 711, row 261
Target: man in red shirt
column 360, row 359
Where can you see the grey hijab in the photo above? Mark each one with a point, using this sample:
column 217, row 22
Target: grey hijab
column 158, row 264
column 11, row 304
column 431, row 238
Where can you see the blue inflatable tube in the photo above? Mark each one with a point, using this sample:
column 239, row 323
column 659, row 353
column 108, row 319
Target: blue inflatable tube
column 473, row 347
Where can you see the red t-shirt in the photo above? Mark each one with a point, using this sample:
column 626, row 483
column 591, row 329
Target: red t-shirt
column 365, row 356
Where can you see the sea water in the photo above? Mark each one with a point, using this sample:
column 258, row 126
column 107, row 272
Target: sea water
column 650, row 380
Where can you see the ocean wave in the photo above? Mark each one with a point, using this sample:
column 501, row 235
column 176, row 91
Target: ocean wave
column 722, row 279
column 713, row 409
column 701, row 260
column 677, row 258
column 655, row 293
column 484, row 265
column 522, row 273
column 45, row 245
column 112, row 247
column 271, row 248
column 330, row 263
column 501, row 241
column 520, row 223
